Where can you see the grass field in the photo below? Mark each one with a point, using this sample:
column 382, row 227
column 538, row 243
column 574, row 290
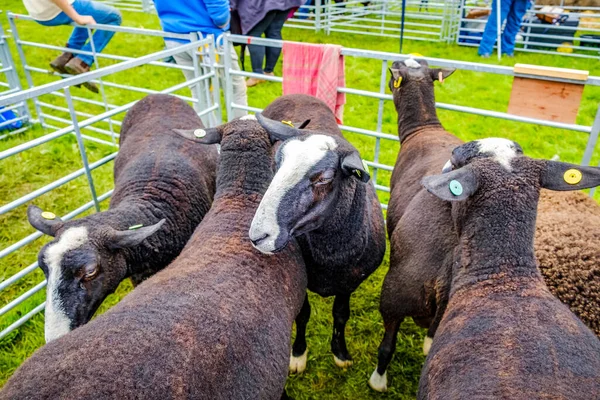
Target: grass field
column 35, row 168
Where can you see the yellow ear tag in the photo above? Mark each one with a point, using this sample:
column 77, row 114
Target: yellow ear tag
column 397, row 82
column 134, row 227
column 48, row 215
column 358, row 173
column 572, row 176
column 441, row 77
column 288, row 123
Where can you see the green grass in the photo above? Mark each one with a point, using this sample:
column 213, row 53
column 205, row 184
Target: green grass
column 35, row 168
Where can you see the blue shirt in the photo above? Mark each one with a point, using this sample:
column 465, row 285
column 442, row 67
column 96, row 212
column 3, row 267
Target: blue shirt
column 211, row 17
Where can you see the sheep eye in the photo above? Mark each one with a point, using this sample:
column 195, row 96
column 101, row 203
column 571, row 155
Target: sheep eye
column 323, row 178
column 91, row 274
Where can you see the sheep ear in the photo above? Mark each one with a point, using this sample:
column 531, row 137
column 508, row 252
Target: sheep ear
column 133, row 236
column 456, row 185
column 352, row 165
column 396, row 79
column 440, row 74
column 45, row 222
column 564, row 176
column 278, row 130
column 201, row 135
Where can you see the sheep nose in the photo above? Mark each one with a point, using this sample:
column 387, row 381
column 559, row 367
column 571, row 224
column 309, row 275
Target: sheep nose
column 259, row 240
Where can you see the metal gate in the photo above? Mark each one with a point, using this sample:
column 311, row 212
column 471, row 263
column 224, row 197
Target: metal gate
column 63, row 112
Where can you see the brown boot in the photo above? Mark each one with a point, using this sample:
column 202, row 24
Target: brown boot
column 58, row 64
column 75, row 67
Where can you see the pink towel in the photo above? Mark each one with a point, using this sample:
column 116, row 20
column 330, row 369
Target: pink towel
column 317, row 70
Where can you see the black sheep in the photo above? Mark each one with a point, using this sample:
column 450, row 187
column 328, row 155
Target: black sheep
column 163, row 184
column 320, row 195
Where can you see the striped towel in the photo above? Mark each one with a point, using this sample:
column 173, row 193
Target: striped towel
column 316, row 70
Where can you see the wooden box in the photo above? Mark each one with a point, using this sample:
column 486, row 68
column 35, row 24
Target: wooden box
column 545, row 99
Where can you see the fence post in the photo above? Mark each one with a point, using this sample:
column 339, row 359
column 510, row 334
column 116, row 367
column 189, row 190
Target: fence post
column 84, row 158
column 228, row 83
column 216, row 84
column 7, row 62
column 593, row 139
column 97, row 63
column 13, row 28
column 318, row 15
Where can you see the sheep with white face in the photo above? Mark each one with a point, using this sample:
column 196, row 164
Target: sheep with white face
column 322, row 196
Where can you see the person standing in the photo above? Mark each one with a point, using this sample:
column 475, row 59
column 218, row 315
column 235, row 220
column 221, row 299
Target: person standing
column 82, row 12
column 209, row 17
column 511, row 11
column 266, row 17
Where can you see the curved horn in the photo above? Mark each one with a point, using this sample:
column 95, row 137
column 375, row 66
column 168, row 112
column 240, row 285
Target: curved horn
column 277, row 130
column 201, row 135
column 130, row 238
column 44, row 222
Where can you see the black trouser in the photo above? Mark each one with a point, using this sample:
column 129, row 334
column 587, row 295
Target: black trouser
column 271, row 26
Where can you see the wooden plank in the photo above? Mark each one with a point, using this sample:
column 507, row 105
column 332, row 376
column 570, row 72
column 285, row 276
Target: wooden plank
column 548, row 100
column 552, row 72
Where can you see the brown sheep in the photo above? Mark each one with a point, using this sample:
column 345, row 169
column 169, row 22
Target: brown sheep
column 422, row 237
column 504, row 335
column 215, row 324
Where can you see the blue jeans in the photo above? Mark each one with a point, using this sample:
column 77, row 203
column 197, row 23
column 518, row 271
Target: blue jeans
column 271, row 26
column 304, row 10
column 512, row 12
column 102, row 13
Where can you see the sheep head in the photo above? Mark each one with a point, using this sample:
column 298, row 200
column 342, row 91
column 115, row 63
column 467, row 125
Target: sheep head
column 83, row 264
column 413, row 71
column 312, row 168
column 494, row 173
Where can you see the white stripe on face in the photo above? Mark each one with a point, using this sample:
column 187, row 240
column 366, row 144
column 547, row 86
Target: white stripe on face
column 57, row 323
column 299, row 157
column 503, row 150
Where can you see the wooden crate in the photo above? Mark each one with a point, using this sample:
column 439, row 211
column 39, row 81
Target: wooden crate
column 544, row 99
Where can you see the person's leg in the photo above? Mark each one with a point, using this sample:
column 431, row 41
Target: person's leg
column 103, row 14
column 490, row 33
column 273, row 31
column 186, row 59
column 513, row 24
column 257, row 53
column 76, row 41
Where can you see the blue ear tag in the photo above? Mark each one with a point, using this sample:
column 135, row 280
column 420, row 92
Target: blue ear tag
column 455, row 188
column 134, row 227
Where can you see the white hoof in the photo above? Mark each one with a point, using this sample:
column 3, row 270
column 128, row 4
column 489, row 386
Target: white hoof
column 427, row 345
column 378, row 382
column 342, row 364
column 298, row 364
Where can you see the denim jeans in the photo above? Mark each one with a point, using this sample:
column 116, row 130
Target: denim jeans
column 102, row 13
column 271, row 26
column 238, row 82
column 512, row 11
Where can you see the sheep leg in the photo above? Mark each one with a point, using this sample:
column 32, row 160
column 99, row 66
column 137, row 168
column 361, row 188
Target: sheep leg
column 387, row 347
column 341, row 314
column 299, row 349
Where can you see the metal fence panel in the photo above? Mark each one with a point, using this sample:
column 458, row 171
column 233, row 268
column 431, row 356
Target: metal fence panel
column 382, row 185
column 576, row 35
column 62, row 111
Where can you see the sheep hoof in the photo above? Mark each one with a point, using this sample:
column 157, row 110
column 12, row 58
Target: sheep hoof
column 378, row 382
column 427, row 345
column 342, row 363
column 298, row 364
